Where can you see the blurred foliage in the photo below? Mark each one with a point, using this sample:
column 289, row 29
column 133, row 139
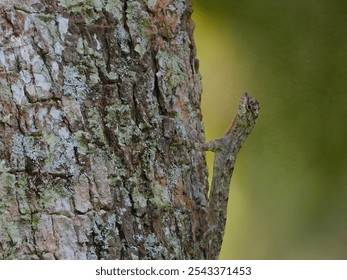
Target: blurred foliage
column 289, row 191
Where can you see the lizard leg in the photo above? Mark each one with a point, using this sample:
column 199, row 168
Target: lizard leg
column 213, row 146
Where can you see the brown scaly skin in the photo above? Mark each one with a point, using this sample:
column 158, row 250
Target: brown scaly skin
column 226, row 149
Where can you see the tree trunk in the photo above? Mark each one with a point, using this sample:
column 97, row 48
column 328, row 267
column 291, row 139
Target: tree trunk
column 93, row 94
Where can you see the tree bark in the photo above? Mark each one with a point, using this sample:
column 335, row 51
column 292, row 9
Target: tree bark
column 92, row 96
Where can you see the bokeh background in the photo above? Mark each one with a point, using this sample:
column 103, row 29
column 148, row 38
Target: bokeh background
column 289, row 190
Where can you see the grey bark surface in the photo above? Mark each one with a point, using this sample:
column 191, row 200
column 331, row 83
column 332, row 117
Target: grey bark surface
column 95, row 97
column 91, row 95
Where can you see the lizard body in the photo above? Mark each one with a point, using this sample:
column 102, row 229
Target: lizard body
column 226, row 149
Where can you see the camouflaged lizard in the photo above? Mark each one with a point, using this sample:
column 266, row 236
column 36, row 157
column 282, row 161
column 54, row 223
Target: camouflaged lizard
column 226, row 149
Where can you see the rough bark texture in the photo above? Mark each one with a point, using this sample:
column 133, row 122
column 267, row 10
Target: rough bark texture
column 91, row 95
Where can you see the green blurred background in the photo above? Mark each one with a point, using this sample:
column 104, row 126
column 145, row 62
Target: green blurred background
column 289, row 191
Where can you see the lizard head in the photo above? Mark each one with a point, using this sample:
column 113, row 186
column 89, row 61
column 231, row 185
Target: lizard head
column 248, row 110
